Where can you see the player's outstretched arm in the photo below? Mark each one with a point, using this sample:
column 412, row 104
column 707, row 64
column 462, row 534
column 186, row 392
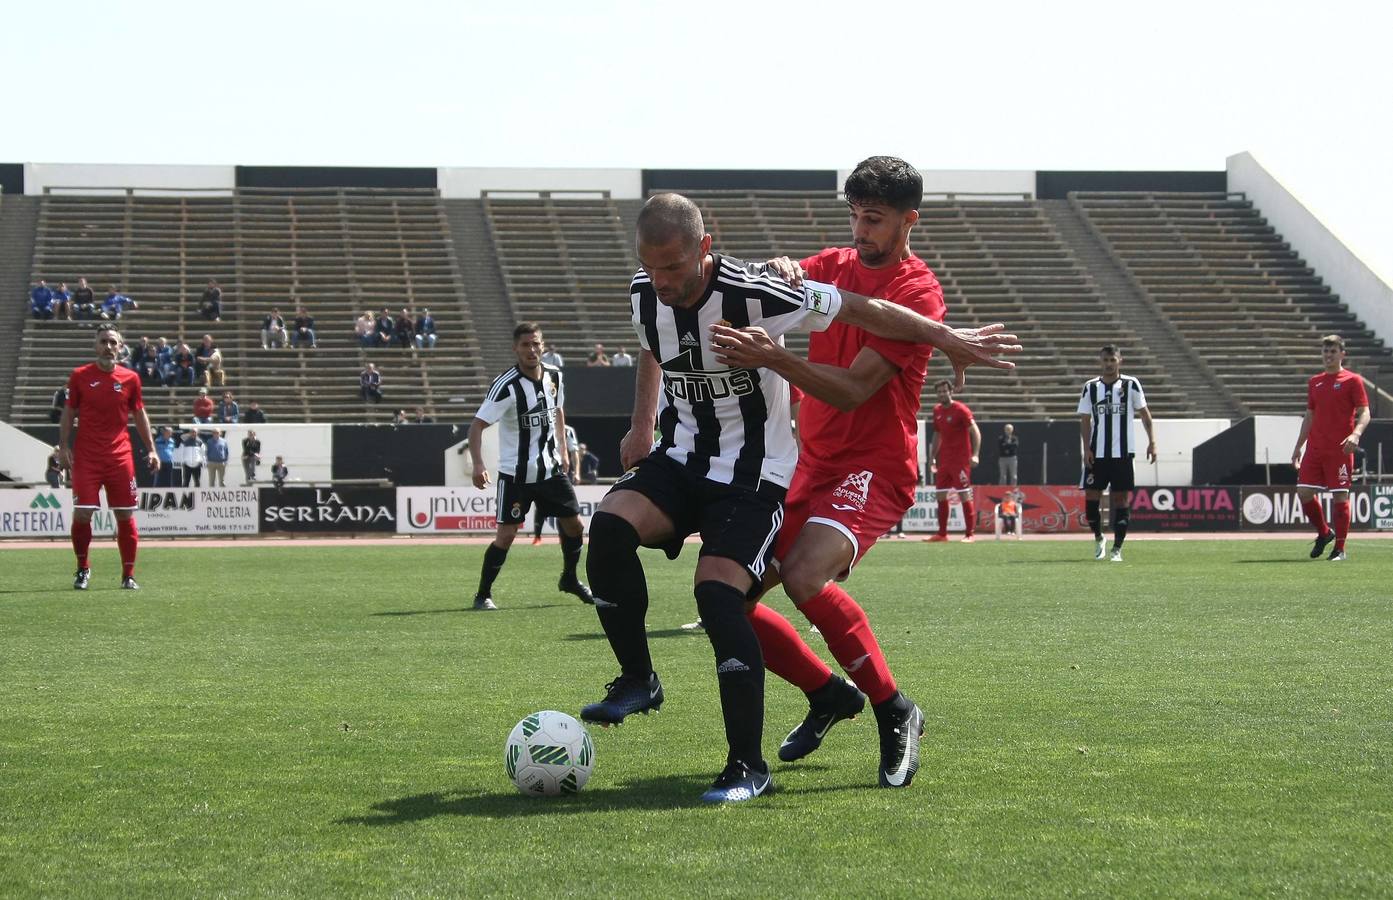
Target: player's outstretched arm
column 963, row 346
column 845, row 389
column 647, row 383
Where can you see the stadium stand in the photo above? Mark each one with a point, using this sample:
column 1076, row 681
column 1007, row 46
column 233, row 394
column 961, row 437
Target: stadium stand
column 1233, row 288
column 334, row 251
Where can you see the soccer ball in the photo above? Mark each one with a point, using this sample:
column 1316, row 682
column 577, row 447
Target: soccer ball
column 549, row 753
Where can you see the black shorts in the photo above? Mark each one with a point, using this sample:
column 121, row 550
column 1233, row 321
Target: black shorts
column 1116, row 473
column 554, row 497
column 734, row 522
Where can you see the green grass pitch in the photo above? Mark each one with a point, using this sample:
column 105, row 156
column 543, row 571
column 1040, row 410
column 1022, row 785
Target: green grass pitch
column 1207, row 718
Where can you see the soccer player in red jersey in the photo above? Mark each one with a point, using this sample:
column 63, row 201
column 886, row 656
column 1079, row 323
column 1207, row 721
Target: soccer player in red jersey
column 857, row 465
column 954, row 451
column 1337, row 412
column 102, row 397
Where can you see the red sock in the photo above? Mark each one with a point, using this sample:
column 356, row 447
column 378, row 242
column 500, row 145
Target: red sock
column 943, row 517
column 126, row 540
column 1316, row 514
column 82, row 539
column 785, row 653
column 970, row 516
column 843, row 623
column 1341, row 524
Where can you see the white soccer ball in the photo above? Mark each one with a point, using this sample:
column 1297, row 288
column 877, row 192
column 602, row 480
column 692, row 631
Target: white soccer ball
column 549, row 753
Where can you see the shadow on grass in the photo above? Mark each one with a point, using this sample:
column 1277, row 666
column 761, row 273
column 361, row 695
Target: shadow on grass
column 662, row 633
column 465, row 609
column 1284, row 559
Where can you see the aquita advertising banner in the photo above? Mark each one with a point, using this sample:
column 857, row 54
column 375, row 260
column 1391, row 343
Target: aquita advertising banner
column 343, row 509
column 47, row 512
column 1184, row 509
column 1278, row 508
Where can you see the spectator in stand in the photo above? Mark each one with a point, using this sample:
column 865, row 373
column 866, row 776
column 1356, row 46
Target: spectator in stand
column 123, row 356
column 203, row 407
column 273, row 330
column 589, row 466
column 399, row 418
column 404, row 329
column 365, row 329
column 63, row 301
column 1007, row 462
column 41, row 301
column 217, row 451
column 304, row 329
column 183, row 365
column 84, row 305
column 210, row 307
column 53, row 471
column 598, row 356
column 165, row 445
column 386, row 327
column 227, row 411
column 254, row 415
column 191, row 456
column 116, row 303
column 425, row 330
column 370, row 384
column 622, row 358
column 208, row 363
column 60, row 400
column 422, row 418
column 251, row 457
column 142, row 358
column 279, row 473
column 552, row 358
column 164, row 361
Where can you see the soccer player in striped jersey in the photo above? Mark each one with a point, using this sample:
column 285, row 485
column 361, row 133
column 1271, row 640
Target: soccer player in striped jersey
column 1337, row 412
column 102, row 397
column 1107, row 408
column 720, row 467
column 527, row 402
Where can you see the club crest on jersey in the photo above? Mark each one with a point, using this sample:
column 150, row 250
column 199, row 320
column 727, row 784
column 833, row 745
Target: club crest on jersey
column 116, row 386
column 516, row 511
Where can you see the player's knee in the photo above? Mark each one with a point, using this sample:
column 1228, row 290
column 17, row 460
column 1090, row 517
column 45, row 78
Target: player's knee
column 802, row 581
column 720, row 605
column 612, row 541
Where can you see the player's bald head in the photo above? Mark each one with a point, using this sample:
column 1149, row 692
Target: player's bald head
column 669, row 218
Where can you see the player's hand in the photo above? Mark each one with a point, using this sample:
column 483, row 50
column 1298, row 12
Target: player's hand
column 1349, row 445
column 974, row 459
column 65, row 458
column 1151, row 451
column 1088, row 458
column 787, row 269
column 979, row 346
column 744, row 348
column 634, row 447
column 153, row 461
column 1296, row 458
column 481, row 476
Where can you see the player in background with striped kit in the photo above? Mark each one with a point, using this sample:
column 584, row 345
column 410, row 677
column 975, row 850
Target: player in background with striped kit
column 1107, row 408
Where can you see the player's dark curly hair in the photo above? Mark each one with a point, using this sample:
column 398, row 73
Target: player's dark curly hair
column 525, row 328
column 885, row 180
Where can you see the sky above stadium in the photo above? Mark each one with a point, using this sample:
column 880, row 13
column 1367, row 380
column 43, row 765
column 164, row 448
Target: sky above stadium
column 1305, row 87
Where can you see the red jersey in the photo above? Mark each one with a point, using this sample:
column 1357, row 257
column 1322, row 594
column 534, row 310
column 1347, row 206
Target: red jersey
column 1332, row 400
column 882, row 434
column 104, row 402
column 953, row 427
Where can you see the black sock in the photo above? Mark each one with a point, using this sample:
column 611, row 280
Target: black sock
column 895, row 708
column 570, row 554
column 1121, row 517
column 621, row 592
column 1093, row 513
column 493, row 563
column 739, row 669
column 537, row 524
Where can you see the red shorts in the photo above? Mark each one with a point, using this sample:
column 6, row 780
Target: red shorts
column 953, row 474
column 1325, row 469
column 863, row 506
column 114, row 473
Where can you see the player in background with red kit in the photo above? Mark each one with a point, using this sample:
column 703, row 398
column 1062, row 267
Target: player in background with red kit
column 102, row 397
column 954, row 452
column 1337, row 412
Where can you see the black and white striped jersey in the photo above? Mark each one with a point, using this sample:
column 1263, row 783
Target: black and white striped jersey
column 1113, row 408
column 731, row 426
column 525, row 411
